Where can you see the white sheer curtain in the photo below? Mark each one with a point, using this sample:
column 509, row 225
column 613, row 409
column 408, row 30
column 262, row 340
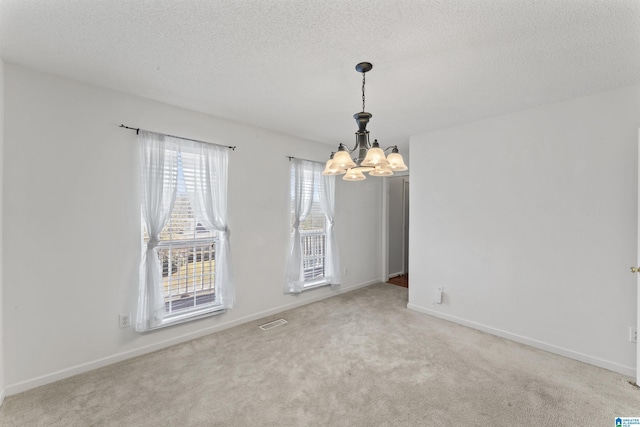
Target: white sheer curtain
column 209, row 197
column 328, row 204
column 304, row 183
column 158, row 159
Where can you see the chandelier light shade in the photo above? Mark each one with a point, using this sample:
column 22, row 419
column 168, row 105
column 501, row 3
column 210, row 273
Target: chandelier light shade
column 342, row 160
column 370, row 157
column 396, row 163
column 381, row 171
column 354, row 174
column 375, row 156
column 331, row 169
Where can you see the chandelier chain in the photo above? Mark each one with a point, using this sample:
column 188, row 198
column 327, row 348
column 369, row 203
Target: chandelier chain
column 363, row 74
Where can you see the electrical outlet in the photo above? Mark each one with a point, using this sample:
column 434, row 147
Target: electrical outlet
column 437, row 298
column 633, row 334
column 346, row 271
column 125, row 320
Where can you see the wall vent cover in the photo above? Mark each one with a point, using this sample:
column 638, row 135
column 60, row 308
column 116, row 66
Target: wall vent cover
column 273, row 324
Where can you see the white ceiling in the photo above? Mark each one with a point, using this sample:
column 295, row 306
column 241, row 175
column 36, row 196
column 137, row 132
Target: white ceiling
column 288, row 65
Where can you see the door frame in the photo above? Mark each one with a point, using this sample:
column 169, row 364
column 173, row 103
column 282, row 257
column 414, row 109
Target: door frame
column 638, row 275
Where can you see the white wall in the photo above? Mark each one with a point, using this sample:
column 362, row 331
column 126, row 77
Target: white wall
column 2, row 382
column 529, row 222
column 72, row 224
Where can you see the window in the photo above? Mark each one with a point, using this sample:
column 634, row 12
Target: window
column 313, row 234
column 313, row 259
column 186, row 249
column 185, row 269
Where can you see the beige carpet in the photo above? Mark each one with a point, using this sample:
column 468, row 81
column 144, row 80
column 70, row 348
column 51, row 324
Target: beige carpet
column 359, row 359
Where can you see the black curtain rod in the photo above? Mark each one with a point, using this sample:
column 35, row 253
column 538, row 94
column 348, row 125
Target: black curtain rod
column 291, row 158
column 180, row 137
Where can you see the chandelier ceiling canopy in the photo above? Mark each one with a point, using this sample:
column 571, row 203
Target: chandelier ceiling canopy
column 370, row 157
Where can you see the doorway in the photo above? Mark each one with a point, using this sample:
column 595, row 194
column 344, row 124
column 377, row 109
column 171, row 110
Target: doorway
column 398, row 228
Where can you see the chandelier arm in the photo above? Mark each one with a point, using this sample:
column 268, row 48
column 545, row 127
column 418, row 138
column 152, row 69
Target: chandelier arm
column 356, row 146
column 347, row 148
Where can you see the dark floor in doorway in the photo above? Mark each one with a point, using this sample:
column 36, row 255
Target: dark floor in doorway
column 402, row 280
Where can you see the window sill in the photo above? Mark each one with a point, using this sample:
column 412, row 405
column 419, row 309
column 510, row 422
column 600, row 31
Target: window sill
column 188, row 316
column 313, row 284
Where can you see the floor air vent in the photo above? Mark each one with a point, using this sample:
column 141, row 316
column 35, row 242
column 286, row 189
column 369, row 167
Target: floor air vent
column 273, row 324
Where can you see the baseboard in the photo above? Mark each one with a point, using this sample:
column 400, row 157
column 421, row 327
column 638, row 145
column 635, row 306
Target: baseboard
column 119, row 357
column 1, row 396
column 606, row 364
column 391, row 276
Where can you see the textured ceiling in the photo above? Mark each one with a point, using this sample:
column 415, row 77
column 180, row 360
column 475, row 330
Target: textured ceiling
column 288, row 65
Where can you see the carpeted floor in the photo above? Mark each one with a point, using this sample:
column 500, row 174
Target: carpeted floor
column 358, row 359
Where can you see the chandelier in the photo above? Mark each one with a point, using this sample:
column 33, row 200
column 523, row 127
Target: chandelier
column 371, row 157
